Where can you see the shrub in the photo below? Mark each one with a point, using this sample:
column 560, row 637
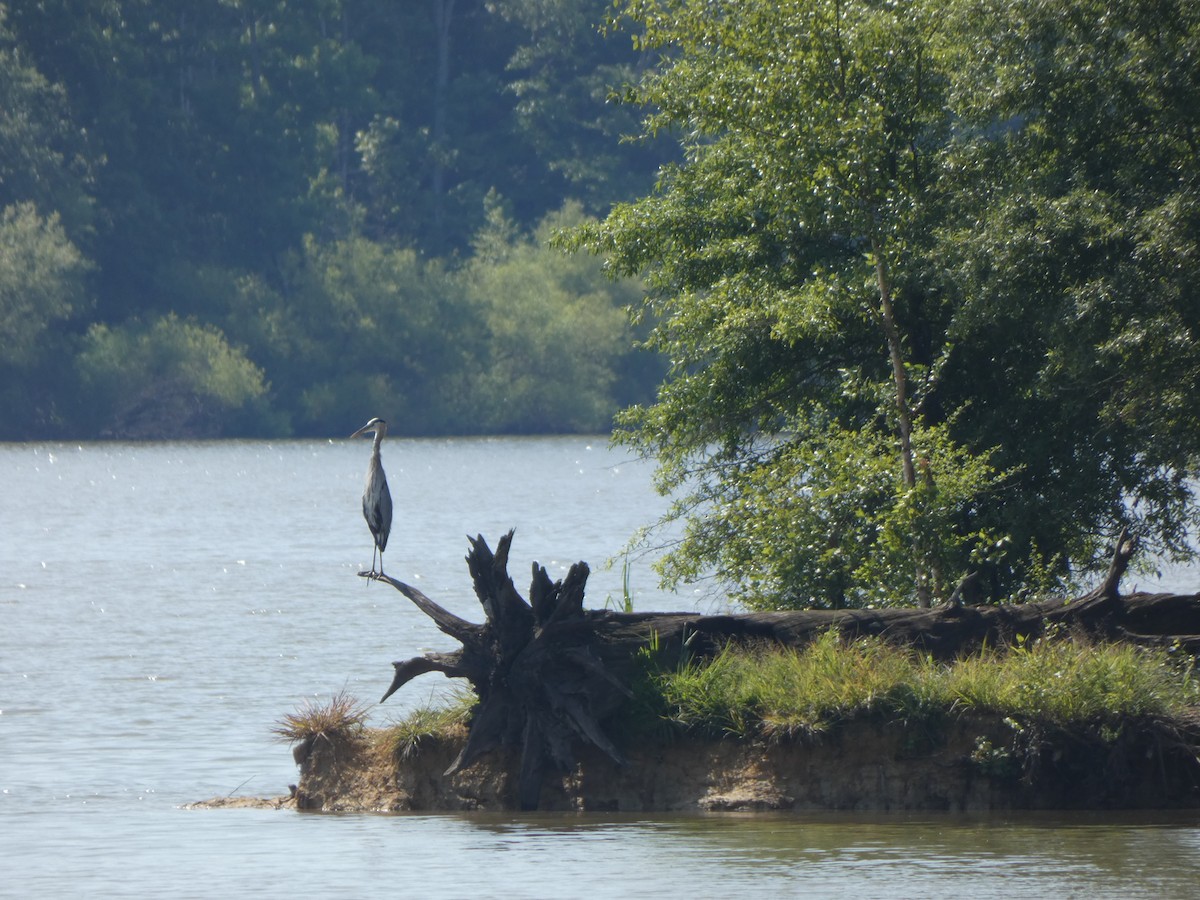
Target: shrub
column 170, row 377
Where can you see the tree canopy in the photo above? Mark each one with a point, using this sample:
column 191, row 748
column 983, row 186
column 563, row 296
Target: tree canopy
column 926, row 279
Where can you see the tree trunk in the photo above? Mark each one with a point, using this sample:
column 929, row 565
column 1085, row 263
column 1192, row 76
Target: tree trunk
column 904, row 416
column 549, row 672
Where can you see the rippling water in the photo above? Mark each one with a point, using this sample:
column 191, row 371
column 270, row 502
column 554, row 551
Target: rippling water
column 161, row 605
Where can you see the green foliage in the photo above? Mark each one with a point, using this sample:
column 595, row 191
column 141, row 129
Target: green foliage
column 43, row 162
column 784, row 692
column 924, row 279
column 625, row 602
column 520, row 338
column 169, row 377
column 1091, row 210
column 563, row 73
column 255, row 167
column 365, row 326
column 41, row 280
column 1070, row 684
column 1062, row 684
column 828, row 521
column 430, row 723
column 556, row 331
column 42, row 291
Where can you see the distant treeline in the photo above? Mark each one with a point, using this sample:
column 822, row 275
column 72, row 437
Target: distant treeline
column 272, row 217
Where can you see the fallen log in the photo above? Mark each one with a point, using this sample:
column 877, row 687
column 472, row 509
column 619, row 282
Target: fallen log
column 548, row 672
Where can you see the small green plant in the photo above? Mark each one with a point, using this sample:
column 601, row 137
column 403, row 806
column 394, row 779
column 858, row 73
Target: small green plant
column 341, row 716
column 625, row 604
column 405, row 736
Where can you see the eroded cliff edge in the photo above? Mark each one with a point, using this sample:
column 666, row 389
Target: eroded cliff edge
column 961, row 764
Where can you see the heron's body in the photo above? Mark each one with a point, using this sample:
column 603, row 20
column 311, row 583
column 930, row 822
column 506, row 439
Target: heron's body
column 377, row 499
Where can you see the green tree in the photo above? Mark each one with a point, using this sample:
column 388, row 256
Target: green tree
column 360, row 328
column 41, row 285
column 1074, row 245
column 170, row 378
column 444, row 134
column 219, row 125
column 563, row 74
column 236, row 164
column 46, row 218
column 557, row 337
column 43, row 159
column 868, row 275
column 41, row 275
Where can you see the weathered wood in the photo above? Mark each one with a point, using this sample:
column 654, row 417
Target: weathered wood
column 540, row 686
column 549, row 672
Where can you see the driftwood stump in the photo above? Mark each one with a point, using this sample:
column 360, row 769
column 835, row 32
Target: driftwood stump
column 540, row 686
column 549, row 673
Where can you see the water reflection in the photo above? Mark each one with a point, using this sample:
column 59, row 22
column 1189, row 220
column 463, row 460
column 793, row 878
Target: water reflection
column 829, row 856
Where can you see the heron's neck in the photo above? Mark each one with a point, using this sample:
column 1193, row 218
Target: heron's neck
column 375, row 445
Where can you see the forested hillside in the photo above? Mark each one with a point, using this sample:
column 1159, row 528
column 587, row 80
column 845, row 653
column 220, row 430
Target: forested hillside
column 281, row 217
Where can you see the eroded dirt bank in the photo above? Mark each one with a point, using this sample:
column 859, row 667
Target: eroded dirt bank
column 963, row 764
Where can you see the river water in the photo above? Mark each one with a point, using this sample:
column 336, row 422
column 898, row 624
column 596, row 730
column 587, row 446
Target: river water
column 162, row 605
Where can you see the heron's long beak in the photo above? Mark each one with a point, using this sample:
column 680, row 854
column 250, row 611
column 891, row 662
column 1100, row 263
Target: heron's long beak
column 376, row 426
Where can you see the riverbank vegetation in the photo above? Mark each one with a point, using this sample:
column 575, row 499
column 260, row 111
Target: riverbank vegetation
column 1065, row 685
column 1057, row 688
column 449, row 716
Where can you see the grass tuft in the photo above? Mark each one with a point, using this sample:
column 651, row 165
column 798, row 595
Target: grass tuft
column 405, row 736
column 341, row 716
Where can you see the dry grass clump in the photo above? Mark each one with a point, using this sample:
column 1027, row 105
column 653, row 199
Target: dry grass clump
column 339, row 717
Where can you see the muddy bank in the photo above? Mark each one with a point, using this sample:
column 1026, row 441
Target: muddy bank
column 284, row 802
column 963, row 764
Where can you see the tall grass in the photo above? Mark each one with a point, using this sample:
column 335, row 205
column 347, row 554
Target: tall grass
column 782, row 691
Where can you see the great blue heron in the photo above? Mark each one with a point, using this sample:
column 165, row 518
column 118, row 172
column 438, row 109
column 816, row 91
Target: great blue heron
column 377, row 499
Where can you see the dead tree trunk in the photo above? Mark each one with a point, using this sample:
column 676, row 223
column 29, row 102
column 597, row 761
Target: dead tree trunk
column 549, row 672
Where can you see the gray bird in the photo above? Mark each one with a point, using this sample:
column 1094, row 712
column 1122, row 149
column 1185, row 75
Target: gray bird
column 377, row 499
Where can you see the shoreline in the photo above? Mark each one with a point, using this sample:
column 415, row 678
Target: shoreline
column 968, row 763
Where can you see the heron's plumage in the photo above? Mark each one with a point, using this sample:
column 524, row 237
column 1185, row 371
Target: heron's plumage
column 377, row 502
column 377, row 498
